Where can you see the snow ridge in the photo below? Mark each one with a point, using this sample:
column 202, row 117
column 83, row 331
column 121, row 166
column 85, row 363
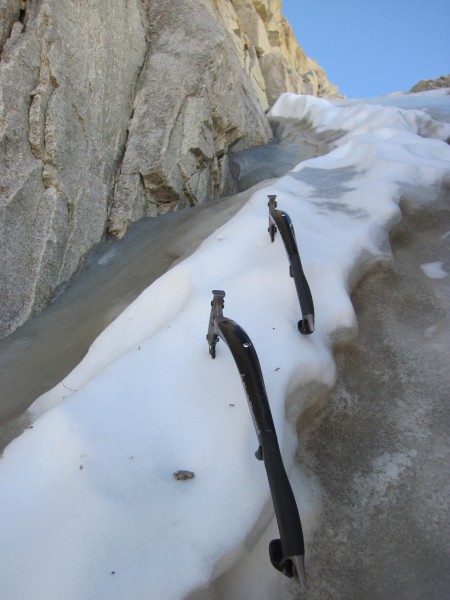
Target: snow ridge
column 90, row 507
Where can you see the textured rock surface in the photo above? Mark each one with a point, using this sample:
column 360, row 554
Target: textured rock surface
column 194, row 103
column 9, row 14
column 431, row 84
column 269, row 51
column 66, row 96
column 110, row 111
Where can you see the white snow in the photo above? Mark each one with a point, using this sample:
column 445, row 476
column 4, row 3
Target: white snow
column 89, row 506
column 434, row 270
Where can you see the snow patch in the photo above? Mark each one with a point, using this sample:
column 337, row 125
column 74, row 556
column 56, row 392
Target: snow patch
column 434, row 270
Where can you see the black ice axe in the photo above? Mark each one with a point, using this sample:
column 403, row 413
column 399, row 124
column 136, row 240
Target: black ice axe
column 287, row 553
column 278, row 219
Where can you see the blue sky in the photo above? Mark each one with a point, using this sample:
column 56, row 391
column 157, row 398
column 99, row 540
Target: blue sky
column 374, row 48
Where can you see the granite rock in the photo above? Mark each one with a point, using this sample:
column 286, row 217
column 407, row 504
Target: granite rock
column 66, row 94
column 425, row 85
column 111, row 111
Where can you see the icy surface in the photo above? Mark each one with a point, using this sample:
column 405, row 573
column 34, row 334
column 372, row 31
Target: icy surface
column 89, row 504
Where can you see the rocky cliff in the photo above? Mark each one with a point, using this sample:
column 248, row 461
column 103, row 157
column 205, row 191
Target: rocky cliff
column 111, row 111
column 431, row 84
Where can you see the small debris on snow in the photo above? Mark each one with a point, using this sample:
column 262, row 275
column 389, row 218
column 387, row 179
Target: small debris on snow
column 183, row 475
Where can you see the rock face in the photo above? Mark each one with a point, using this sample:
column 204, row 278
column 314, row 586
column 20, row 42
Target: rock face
column 431, row 84
column 110, row 111
column 269, row 52
column 66, row 95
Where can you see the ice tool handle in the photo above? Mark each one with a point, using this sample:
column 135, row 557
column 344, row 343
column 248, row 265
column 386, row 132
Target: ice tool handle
column 286, row 553
column 278, row 219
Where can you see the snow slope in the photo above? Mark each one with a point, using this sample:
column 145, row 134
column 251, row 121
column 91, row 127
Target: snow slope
column 89, row 506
